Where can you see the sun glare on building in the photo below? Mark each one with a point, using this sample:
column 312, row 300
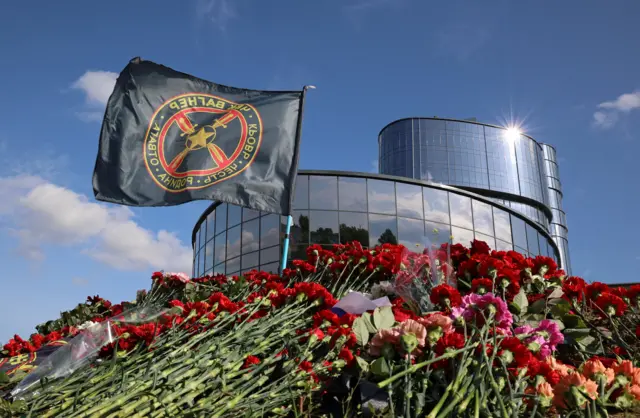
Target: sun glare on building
column 513, row 133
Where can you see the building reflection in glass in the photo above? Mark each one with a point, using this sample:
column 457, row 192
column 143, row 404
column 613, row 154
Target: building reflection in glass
column 370, row 209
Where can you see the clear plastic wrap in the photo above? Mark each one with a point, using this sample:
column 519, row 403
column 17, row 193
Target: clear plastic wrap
column 82, row 349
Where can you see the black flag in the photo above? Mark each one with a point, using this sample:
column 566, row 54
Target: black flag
column 169, row 138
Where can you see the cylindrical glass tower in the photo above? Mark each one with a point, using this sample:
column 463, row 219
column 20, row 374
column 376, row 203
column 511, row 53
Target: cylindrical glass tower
column 503, row 164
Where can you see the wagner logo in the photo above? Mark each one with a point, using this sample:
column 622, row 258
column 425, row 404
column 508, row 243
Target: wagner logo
column 196, row 140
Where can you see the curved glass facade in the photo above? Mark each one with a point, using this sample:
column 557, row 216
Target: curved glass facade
column 466, row 154
column 339, row 207
column 511, row 169
column 559, row 229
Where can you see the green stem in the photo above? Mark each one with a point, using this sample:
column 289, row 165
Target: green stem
column 419, row 366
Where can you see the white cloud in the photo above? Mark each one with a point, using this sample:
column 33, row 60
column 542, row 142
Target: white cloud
column 40, row 213
column 218, row 12
column 97, row 86
column 610, row 111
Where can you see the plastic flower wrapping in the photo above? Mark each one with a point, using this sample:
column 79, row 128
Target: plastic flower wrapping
column 451, row 331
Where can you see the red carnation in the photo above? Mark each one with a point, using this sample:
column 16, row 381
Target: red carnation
column 610, row 304
column 448, row 342
column 479, row 247
column 514, row 353
column 595, row 289
column 346, row 355
column 574, row 287
column 632, row 293
column 446, row 296
column 482, row 286
column 544, row 266
column 544, row 369
column 250, row 361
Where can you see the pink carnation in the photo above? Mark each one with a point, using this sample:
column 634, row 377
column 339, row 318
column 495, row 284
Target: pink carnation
column 390, row 336
column 436, row 320
column 488, row 304
column 413, row 327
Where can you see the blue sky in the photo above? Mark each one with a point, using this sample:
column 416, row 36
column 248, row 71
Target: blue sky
column 567, row 70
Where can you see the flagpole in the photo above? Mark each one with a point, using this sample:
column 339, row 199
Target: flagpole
column 285, row 247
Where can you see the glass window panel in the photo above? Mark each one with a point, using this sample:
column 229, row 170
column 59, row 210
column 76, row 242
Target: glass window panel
column 299, row 233
column 301, row 195
column 297, row 252
column 436, row 234
column 220, row 245
column 522, row 251
column 251, row 260
column 382, row 230
column 532, row 240
column 233, row 242
column 201, row 258
column 270, row 255
column 491, row 242
column 234, row 216
column 270, row 268
column 482, row 218
column 219, row 269
column 461, row 236
column 352, row 194
column 542, row 244
column 409, row 200
column 208, row 262
column 411, row 234
column 250, row 236
column 460, row 211
column 269, row 230
column 233, row 266
column 381, row 196
column 323, row 192
column 211, row 225
column 519, row 232
column 221, row 218
column 353, row 227
column 324, row 227
column 436, row 205
column 248, row 214
column 199, row 241
column 502, row 224
column 503, row 245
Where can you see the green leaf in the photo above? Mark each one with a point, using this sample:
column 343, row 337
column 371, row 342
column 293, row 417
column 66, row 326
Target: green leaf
column 560, row 308
column 361, row 331
column 383, row 318
column 514, row 308
column 557, row 293
column 521, row 301
column 589, row 343
column 573, row 321
column 4, row 378
column 366, row 317
column 576, row 334
column 537, row 306
column 362, row 364
column 380, row 367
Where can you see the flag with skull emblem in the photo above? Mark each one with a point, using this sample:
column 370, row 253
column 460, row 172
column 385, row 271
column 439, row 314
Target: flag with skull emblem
column 168, row 138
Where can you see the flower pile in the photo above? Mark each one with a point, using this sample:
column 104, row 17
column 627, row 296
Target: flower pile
column 460, row 332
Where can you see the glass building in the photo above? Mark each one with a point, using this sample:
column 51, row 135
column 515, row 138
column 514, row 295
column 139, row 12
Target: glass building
column 337, row 207
column 503, row 165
